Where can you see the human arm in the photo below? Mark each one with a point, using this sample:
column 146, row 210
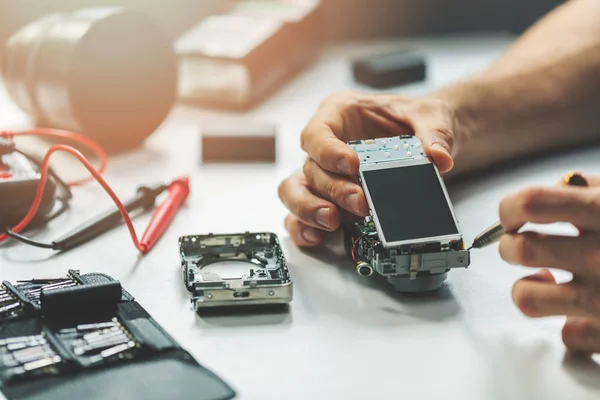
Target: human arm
column 543, row 93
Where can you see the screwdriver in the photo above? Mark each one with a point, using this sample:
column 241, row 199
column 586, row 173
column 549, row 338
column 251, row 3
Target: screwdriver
column 495, row 232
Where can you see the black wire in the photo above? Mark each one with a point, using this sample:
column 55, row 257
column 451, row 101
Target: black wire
column 28, row 241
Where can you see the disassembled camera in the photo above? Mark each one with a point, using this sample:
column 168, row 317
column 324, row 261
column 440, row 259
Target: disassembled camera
column 267, row 282
column 411, row 236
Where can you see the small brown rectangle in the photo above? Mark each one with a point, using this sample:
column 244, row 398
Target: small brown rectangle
column 246, row 142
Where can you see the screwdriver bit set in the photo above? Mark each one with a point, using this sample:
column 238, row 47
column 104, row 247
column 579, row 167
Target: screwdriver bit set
column 20, row 300
column 64, row 337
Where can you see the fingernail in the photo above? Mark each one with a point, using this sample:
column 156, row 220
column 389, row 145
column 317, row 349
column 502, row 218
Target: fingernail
column 344, row 166
column 322, row 216
column 310, row 235
column 352, row 200
column 439, row 147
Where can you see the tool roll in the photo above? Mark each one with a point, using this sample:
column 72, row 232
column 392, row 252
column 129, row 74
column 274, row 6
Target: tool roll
column 84, row 336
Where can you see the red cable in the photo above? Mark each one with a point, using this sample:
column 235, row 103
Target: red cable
column 62, row 134
column 354, row 247
column 95, row 174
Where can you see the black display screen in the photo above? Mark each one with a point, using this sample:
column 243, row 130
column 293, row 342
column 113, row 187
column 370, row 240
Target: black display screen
column 409, row 203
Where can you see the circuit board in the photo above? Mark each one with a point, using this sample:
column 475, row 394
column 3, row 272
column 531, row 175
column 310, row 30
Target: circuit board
column 395, row 148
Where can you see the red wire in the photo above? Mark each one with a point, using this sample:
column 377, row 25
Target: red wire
column 62, row 134
column 95, row 175
column 354, row 246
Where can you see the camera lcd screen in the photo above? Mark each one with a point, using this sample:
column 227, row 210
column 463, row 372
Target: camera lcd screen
column 409, row 203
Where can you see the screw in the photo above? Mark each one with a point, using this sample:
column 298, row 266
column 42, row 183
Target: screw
column 209, row 296
column 271, row 293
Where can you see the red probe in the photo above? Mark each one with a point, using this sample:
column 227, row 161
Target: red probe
column 178, row 191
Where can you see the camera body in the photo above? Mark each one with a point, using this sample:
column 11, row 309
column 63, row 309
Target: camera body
column 411, row 236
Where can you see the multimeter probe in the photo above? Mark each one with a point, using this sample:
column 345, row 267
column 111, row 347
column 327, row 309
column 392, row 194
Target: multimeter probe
column 178, row 190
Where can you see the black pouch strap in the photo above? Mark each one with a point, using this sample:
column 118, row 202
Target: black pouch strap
column 144, row 328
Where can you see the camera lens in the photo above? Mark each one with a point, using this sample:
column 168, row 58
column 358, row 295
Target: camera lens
column 109, row 73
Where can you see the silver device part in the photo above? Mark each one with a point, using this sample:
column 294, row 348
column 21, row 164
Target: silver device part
column 405, row 264
column 364, row 269
column 391, row 263
column 267, row 282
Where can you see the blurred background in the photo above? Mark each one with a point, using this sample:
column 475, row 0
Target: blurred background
column 345, row 19
column 225, row 54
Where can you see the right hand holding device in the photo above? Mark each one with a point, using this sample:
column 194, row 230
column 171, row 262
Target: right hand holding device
column 325, row 191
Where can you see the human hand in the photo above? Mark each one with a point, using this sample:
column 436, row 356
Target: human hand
column 539, row 295
column 325, row 192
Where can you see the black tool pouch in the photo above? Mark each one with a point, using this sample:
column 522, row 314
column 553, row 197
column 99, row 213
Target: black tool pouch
column 91, row 340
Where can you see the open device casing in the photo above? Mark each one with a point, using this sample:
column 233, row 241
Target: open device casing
column 267, row 281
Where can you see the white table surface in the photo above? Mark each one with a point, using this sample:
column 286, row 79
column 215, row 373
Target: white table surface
column 345, row 337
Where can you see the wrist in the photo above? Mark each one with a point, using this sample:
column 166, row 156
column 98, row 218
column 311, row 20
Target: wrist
column 456, row 98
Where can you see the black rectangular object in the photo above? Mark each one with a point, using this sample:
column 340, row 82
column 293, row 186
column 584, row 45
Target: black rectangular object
column 390, row 69
column 76, row 301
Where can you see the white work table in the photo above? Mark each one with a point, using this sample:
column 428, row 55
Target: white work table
column 344, row 337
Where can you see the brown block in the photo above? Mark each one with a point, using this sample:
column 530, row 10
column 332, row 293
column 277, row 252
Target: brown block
column 238, row 142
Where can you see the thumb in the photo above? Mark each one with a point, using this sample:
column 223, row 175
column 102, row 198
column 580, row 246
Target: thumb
column 438, row 143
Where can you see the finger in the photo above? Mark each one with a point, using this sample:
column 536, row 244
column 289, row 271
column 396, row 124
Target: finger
column 431, row 123
column 592, row 180
column 544, row 205
column 543, row 275
column 437, row 141
column 539, row 298
column 302, row 235
column 310, row 209
column 579, row 255
column 575, row 178
column 336, row 188
column 384, row 125
column 323, row 137
column 582, row 335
